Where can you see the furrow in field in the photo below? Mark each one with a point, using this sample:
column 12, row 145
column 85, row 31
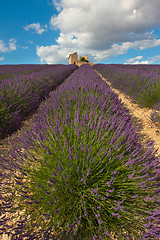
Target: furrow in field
column 147, row 129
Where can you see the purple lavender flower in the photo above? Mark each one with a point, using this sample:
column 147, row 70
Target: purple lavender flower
column 97, row 215
column 111, row 190
column 132, row 175
column 88, row 171
column 94, row 191
column 99, row 207
column 64, row 176
column 107, row 233
column 100, row 221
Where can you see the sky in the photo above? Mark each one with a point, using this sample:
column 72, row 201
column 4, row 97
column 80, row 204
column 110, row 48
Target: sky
column 108, row 31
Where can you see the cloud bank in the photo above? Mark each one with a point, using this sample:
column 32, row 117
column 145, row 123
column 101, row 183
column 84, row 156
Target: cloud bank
column 101, row 30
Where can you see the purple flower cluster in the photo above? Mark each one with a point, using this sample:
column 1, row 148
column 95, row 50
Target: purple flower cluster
column 21, row 94
column 82, row 169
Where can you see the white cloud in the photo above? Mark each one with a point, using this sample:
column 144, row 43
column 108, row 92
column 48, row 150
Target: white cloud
column 131, row 60
column 3, row 48
column 150, row 60
column 142, row 62
column 12, row 44
column 57, row 5
column 53, row 54
column 154, row 59
column 24, row 47
column 103, row 29
column 11, row 47
column 1, row 58
column 35, row 26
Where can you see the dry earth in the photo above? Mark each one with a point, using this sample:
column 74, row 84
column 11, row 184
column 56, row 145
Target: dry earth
column 148, row 131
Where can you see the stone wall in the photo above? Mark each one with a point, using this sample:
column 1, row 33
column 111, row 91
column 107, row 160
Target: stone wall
column 86, row 57
column 73, row 58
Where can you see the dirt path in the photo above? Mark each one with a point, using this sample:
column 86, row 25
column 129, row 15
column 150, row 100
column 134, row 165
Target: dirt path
column 148, row 130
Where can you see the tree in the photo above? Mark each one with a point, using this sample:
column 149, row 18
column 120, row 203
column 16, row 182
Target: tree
column 84, row 60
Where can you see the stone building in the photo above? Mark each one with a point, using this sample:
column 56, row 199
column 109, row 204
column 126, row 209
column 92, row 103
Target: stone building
column 73, row 59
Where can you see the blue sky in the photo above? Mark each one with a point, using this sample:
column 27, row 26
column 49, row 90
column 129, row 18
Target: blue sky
column 109, row 31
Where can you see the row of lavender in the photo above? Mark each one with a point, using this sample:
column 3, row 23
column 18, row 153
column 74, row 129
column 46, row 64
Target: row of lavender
column 81, row 171
column 141, row 82
column 22, row 94
column 8, row 71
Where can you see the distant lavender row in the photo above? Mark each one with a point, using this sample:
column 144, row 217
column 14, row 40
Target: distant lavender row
column 141, row 82
column 8, row 71
column 21, row 94
column 81, row 170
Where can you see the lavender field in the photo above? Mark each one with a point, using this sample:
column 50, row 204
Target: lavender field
column 8, row 71
column 81, row 172
column 140, row 82
column 23, row 87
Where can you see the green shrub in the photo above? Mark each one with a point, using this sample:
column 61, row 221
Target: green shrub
column 84, row 60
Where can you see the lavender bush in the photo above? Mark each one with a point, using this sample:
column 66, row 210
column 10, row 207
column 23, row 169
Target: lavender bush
column 81, row 171
column 22, row 94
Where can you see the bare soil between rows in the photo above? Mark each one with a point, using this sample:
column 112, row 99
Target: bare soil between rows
column 148, row 131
